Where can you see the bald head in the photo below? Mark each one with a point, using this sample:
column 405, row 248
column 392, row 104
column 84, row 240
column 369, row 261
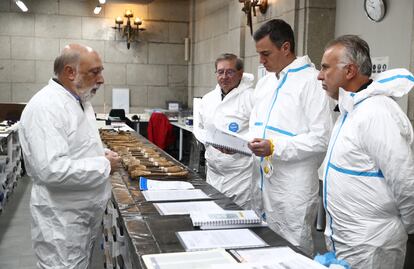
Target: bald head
column 79, row 69
column 70, row 55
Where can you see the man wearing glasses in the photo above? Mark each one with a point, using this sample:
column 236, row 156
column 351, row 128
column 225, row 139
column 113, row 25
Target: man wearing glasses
column 228, row 107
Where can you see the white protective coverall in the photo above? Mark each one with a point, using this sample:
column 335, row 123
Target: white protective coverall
column 65, row 159
column 229, row 173
column 369, row 177
column 293, row 111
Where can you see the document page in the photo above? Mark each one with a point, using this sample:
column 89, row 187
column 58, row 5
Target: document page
column 236, row 238
column 149, row 184
column 262, row 254
column 285, row 258
column 193, row 260
column 175, row 195
column 227, row 140
column 181, row 208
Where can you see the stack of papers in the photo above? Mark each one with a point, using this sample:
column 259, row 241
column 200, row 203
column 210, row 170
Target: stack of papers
column 157, row 190
column 270, row 258
column 193, row 260
column 148, row 184
column 203, row 240
column 175, row 195
column 182, row 208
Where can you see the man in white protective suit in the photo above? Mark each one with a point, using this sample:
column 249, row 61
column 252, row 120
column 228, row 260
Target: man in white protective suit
column 290, row 127
column 66, row 161
column 369, row 177
column 228, row 107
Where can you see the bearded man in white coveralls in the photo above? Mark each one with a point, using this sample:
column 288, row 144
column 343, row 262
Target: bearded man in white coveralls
column 66, row 161
column 290, row 126
column 369, row 176
column 228, row 107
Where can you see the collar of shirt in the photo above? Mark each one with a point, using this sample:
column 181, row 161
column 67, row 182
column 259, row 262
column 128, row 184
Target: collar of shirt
column 223, row 95
column 363, row 87
column 74, row 95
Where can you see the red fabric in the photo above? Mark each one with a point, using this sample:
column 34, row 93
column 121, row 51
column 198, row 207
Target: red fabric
column 160, row 130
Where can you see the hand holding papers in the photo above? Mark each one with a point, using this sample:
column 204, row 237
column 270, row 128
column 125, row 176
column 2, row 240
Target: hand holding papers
column 227, row 140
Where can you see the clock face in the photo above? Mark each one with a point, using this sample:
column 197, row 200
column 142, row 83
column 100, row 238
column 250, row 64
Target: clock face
column 375, row 9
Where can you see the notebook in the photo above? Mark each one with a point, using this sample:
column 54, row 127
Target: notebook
column 229, row 239
column 226, row 140
column 226, row 219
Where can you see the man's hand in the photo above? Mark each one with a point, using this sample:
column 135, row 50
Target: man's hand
column 114, row 160
column 260, row 147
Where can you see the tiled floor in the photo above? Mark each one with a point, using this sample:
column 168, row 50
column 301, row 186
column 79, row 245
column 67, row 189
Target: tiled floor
column 15, row 242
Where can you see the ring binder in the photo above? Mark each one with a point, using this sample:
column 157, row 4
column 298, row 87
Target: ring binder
column 228, row 141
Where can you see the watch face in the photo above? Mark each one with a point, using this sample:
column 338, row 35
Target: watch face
column 375, row 9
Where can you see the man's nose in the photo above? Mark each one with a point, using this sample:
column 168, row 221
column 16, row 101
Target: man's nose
column 320, row 76
column 262, row 60
column 100, row 79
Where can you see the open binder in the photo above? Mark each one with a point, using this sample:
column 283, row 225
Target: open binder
column 226, row 140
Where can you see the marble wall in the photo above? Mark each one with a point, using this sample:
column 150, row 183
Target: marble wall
column 154, row 69
column 219, row 26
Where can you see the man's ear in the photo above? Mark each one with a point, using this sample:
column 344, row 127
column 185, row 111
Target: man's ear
column 351, row 71
column 285, row 47
column 70, row 72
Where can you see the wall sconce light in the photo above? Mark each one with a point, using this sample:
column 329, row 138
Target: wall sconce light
column 128, row 31
column 249, row 6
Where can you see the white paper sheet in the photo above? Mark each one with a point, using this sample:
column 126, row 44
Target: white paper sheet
column 236, row 238
column 149, row 184
column 226, row 140
column 174, row 195
column 262, row 254
column 181, row 208
column 120, row 99
column 190, row 260
column 271, row 258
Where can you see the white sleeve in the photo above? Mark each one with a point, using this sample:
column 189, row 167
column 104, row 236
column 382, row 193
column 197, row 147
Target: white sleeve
column 385, row 140
column 46, row 150
column 315, row 105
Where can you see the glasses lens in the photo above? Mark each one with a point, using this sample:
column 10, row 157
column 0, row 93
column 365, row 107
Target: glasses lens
column 228, row 72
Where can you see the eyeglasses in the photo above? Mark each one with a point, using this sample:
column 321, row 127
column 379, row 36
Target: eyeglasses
column 228, row 72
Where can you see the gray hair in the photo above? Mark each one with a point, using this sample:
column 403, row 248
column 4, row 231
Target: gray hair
column 67, row 57
column 229, row 57
column 356, row 52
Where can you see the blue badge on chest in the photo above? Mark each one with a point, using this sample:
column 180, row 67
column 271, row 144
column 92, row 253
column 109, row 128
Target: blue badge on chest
column 234, row 127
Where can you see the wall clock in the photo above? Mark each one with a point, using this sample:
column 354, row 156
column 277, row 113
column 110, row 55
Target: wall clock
column 375, row 9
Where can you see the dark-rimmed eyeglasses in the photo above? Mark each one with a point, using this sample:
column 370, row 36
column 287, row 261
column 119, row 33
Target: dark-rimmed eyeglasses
column 228, row 72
